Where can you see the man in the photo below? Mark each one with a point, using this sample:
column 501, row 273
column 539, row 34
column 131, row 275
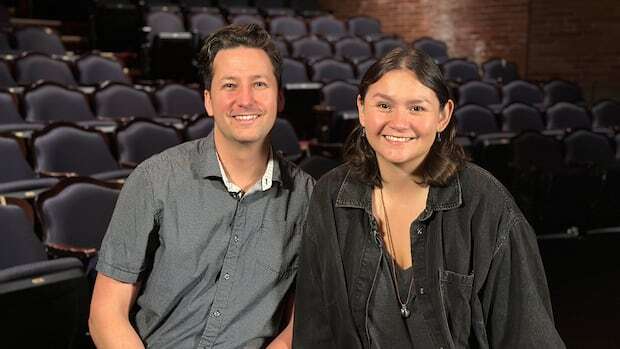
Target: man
column 204, row 236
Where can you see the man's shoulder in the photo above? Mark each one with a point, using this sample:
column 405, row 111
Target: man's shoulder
column 181, row 157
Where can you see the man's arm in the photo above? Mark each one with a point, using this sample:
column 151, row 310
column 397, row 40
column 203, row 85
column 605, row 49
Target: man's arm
column 109, row 314
column 285, row 339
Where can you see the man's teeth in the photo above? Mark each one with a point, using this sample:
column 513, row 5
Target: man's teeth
column 398, row 139
column 246, row 117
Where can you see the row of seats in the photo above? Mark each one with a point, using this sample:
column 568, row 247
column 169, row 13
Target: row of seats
column 90, row 69
column 49, row 102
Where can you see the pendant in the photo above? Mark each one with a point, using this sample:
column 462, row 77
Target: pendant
column 404, row 312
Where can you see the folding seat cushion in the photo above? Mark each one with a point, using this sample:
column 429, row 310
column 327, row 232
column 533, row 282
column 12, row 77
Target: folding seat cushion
column 42, row 40
column 177, row 100
column 519, row 117
column 31, row 68
column 94, row 69
column 19, row 243
column 16, row 174
column 499, row 71
column 438, row 50
column 328, row 70
column 565, row 115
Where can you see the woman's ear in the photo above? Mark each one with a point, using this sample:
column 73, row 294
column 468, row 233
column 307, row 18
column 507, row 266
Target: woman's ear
column 444, row 115
column 360, row 110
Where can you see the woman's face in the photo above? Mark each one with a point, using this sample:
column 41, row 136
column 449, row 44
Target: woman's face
column 402, row 117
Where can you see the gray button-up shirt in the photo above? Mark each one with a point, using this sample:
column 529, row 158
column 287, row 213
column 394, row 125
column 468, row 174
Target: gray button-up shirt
column 214, row 269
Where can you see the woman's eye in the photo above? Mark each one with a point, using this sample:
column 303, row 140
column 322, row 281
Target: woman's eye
column 416, row 108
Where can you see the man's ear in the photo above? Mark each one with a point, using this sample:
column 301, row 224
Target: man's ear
column 281, row 100
column 208, row 104
column 445, row 115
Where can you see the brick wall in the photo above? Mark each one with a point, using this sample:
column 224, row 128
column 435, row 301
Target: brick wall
column 573, row 40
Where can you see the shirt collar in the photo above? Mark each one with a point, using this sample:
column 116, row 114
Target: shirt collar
column 354, row 193
column 263, row 184
column 207, row 165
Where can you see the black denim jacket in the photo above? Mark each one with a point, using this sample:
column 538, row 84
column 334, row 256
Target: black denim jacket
column 479, row 278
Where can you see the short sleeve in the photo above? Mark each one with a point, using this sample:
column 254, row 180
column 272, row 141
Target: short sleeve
column 124, row 248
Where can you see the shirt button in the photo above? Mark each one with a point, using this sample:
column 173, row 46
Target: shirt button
column 420, row 231
column 217, row 313
column 236, row 238
column 226, row 276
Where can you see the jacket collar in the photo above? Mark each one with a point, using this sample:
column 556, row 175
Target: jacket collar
column 207, row 164
column 354, row 193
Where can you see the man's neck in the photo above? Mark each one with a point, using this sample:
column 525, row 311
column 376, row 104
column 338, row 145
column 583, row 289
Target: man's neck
column 244, row 164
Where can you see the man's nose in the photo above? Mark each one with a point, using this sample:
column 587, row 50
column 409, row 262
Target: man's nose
column 246, row 96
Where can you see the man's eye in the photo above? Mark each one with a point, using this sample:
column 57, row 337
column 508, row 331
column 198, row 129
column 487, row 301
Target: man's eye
column 383, row 106
column 260, row 84
column 228, row 85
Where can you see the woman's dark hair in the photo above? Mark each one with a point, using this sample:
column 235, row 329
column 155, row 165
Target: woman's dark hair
column 231, row 36
column 445, row 157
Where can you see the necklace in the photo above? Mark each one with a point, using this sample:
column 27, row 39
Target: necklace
column 404, row 308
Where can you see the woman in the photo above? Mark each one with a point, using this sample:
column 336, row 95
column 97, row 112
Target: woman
column 407, row 244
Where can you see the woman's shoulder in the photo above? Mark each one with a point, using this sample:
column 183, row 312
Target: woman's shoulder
column 476, row 181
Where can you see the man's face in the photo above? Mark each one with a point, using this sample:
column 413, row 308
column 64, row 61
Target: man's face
column 243, row 97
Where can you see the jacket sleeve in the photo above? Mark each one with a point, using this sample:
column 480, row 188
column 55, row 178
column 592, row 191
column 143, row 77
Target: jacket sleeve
column 515, row 298
column 311, row 326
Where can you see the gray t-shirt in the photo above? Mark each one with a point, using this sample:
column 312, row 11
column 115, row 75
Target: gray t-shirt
column 214, row 268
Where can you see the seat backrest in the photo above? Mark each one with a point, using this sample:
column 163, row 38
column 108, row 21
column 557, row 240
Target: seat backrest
column 264, row 4
column 51, row 102
column 75, row 213
column 199, row 128
column 363, row 25
column 6, row 78
column 290, row 27
column 521, row 91
column 178, row 100
column 327, row 25
column 527, row 154
column 352, row 48
column 117, row 100
column 140, row 139
column 565, row 115
column 94, row 69
column 317, row 165
column 284, row 139
column 42, row 40
column 293, row 71
column 606, row 113
column 585, row 147
column 363, row 66
column 500, row 71
column 340, row 95
column 206, row 23
column 34, row 67
column 282, row 47
column 519, row 117
column 311, row 47
column 9, row 114
column 385, row 45
column 438, row 50
column 475, row 119
column 244, row 19
column 19, row 244
column 68, row 148
column 13, row 160
column 460, row 70
column 328, row 70
column 478, row 92
column 164, row 21
column 561, row 91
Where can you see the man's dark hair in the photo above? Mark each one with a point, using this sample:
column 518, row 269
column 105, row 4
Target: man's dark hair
column 445, row 157
column 231, row 36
